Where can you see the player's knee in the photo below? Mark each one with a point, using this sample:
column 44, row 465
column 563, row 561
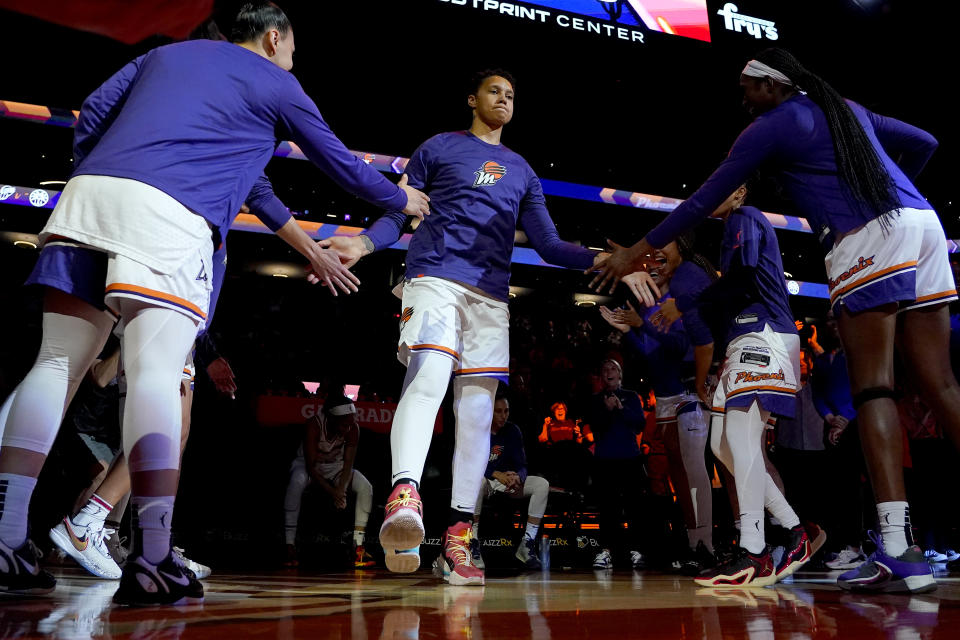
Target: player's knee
column 538, row 485
column 360, row 484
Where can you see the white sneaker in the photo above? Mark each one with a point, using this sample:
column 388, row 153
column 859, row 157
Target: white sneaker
column 87, row 545
column 637, row 561
column 932, row 555
column 952, row 555
column 201, row 571
column 848, row 558
column 603, row 560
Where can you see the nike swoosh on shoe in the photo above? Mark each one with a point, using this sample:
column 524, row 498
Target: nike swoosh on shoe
column 80, row 544
column 182, row 580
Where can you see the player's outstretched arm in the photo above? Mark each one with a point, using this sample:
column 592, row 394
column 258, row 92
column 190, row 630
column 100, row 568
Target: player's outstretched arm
column 325, row 266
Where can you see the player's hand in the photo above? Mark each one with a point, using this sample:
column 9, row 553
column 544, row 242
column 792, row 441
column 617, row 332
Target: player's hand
column 611, row 318
column 628, row 316
column 643, row 287
column 667, row 315
column 702, row 393
column 622, row 260
column 349, row 249
column 416, row 200
column 513, row 482
column 612, row 402
column 326, row 268
column 222, row 376
column 340, row 497
column 834, row 435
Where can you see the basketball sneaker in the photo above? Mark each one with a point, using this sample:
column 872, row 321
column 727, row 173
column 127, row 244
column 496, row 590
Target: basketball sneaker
column 475, row 553
column 908, row 573
column 527, row 554
column 934, row 556
column 796, row 552
column 742, row 570
column 200, row 571
column 603, row 560
column 402, row 529
column 145, row 584
column 87, row 545
column 697, row 560
column 20, row 571
column 848, row 558
column 455, row 564
column 362, row 559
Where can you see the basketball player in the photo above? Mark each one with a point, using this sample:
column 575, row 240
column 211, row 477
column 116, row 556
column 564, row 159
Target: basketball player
column 759, row 378
column 326, row 458
column 161, row 166
column 454, row 318
column 887, row 270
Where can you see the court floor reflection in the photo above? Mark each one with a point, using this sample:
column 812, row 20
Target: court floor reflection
column 374, row 604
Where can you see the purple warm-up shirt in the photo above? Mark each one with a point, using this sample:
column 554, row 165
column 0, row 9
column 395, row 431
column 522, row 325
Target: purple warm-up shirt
column 793, row 141
column 199, row 120
column 479, row 193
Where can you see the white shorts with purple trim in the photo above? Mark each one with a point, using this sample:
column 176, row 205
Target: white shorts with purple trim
column 762, row 366
column 440, row 316
column 905, row 263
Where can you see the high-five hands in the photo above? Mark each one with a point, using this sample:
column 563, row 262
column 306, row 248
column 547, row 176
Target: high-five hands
column 622, row 260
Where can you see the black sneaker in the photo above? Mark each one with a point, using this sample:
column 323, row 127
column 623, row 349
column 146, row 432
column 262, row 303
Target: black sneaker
column 144, row 584
column 527, row 553
column 744, row 569
column 697, row 561
column 475, row 554
column 20, row 571
column 796, row 552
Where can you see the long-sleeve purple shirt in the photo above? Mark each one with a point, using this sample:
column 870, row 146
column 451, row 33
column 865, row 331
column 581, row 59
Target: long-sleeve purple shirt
column 753, row 291
column 479, row 193
column 199, row 120
column 793, row 141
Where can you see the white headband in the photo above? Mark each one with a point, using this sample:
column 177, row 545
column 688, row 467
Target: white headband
column 756, row 69
column 343, row 409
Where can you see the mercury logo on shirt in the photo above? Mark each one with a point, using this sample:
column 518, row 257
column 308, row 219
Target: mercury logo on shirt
column 489, row 174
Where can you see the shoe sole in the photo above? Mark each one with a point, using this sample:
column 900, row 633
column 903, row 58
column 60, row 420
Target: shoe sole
column 440, row 570
column 176, row 603
column 818, row 542
column 400, row 561
column 63, row 543
column 910, row 584
column 36, row 591
column 714, row 583
column 402, row 531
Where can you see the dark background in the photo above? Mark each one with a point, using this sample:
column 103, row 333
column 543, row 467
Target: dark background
column 654, row 118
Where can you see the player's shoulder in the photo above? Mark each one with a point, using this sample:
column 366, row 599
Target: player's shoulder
column 753, row 214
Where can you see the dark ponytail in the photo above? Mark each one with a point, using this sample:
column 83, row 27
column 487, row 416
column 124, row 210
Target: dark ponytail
column 685, row 248
column 857, row 161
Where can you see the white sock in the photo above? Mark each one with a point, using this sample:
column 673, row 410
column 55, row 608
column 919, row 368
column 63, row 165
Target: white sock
column 894, row 519
column 154, row 516
column 476, row 527
column 15, row 492
column 358, row 538
column 742, row 428
column 95, row 512
column 781, row 513
column 531, row 531
column 428, row 374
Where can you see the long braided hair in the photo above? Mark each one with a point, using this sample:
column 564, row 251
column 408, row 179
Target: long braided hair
column 685, row 243
column 857, row 161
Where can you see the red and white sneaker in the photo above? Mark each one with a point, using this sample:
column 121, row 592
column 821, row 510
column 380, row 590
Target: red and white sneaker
column 455, row 565
column 797, row 552
column 402, row 529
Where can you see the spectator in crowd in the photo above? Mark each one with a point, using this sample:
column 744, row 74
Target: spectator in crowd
column 326, row 458
column 616, row 417
column 507, row 474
